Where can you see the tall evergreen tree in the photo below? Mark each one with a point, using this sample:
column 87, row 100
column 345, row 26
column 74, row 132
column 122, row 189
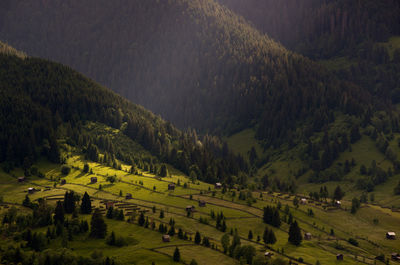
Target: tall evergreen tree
column 295, row 236
column 98, row 228
column 59, row 213
column 177, row 255
column 86, row 204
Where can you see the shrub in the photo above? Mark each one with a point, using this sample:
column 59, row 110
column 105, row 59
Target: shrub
column 65, row 170
column 353, row 241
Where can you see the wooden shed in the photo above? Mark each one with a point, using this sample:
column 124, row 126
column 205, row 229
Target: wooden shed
column 339, row 257
column 190, row 208
column 171, row 186
column 391, row 235
column 218, row 185
column 31, row 190
column 128, row 196
column 63, row 182
column 93, row 180
column 307, row 236
column 21, row 179
column 202, row 203
column 166, row 238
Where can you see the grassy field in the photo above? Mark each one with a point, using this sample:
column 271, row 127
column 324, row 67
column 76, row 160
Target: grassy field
column 147, row 246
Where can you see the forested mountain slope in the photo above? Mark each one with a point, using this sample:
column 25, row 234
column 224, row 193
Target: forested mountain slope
column 38, row 97
column 321, row 28
column 194, row 62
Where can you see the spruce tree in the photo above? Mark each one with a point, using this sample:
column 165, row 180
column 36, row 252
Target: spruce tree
column 86, row 204
column 177, row 255
column 250, row 236
column 141, row 219
column 98, row 228
column 295, row 236
column 197, row 238
column 59, row 213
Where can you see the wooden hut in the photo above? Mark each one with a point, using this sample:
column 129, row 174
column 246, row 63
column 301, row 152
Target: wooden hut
column 202, row 203
column 218, row 185
column 166, row 238
column 21, row 179
column 307, row 236
column 391, row 235
column 128, row 196
column 93, row 180
column 339, row 257
column 63, row 182
column 190, row 208
column 171, row 186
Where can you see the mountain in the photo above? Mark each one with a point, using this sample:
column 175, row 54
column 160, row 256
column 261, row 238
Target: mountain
column 359, row 40
column 43, row 103
column 322, row 29
column 196, row 63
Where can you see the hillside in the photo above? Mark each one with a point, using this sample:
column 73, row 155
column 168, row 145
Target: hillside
column 355, row 39
column 322, row 29
column 196, row 63
column 43, row 103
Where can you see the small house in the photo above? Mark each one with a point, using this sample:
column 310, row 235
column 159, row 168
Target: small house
column 202, row 203
column 63, row 182
column 307, row 236
column 396, row 256
column 128, row 196
column 338, row 203
column 93, row 180
column 166, row 238
column 21, row 179
column 109, row 204
column 339, row 257
column 190, row 208
column 171, row 186
column 391, row 235
column 31, row 190
column 268, row 254
column 303, row 201
column 218, row 185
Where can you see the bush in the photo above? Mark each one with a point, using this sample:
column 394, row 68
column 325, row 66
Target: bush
column 353, row 241
column 65, row 170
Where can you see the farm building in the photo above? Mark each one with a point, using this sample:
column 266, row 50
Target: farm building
column 190, row 208
column 93, row 180
column 166, row 238
column 268, row 254
column 31, row 190
column 391, row 235
column 303, row 201
column 109, row 204
column 21, row 179
column 128, row 196
column 63, row 182
column 171, row 186
column 218, row 185
column 338, row 203
column 395, row 256
column 202, row 203
column 339, row 257
column 307, row 236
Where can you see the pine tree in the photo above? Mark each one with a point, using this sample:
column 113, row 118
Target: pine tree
column 163, row 171
column 59, row 213
column 295, row 236
column 141, row 220
column 197, row 238
column 86, row 204
column 98, row 228
column 110, row 212
column 177, row 255
column 250, row 236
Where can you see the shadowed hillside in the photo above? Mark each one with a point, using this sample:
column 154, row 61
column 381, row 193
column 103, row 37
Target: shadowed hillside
column 194, row 62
